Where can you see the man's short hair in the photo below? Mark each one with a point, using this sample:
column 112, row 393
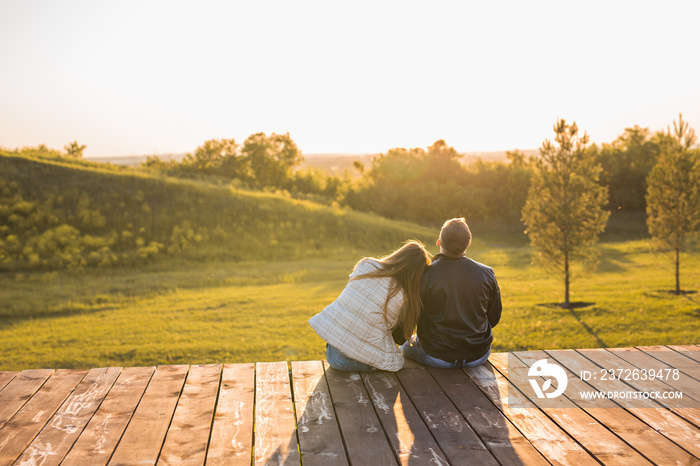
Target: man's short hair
column 455, row 237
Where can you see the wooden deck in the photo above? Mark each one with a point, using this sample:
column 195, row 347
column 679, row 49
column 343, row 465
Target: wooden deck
column 305, row 412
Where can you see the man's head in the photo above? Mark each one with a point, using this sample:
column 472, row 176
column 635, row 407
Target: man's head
column 455, row 237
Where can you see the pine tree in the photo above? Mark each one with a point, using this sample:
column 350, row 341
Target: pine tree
column 564, row 212
column 673, row 192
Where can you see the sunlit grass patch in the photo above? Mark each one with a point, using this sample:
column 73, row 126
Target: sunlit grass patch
column 193, row 326
column 257, row 311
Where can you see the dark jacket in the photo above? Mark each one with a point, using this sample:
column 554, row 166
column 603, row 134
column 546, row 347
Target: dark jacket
column 461, row 304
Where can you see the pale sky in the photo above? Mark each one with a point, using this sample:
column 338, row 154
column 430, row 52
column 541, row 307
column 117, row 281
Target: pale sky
column 156, row 77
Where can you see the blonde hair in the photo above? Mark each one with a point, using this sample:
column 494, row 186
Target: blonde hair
column 405, row 267
column 455, row 237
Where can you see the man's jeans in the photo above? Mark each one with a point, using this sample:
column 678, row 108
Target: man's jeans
column 413, row 349
column 339, row 361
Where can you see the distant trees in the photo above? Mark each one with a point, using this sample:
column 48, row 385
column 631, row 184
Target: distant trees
column 40, row 151
column 71, row 150
column 626, row 163
column 560, row 196
column 265, row 161
column 563, row 197
column 74, row 150
column 564, row 209
column 420, row 185
column 272, row 158
column 673, row 196
column 216, row 157
column 428, row 186
column 398, row 185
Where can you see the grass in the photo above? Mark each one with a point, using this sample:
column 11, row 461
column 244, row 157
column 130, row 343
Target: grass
column 257, row 311
column 625, row 302
column 229, row 312
column 238, row 273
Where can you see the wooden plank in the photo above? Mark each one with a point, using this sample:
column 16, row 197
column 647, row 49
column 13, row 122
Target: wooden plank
column 143, row 438
column 55, row 440
column 416, row 406
column 689, row 351
column 409, row 436
column 554, row 444
column 660, row 419
column 19, row 431
column 275, row 432
column 188, row 435
column 99, row 439
column 686, row 365
column 6, row 377
column 595, row 437
column 501, row 437
column 451, row 431
column 19, row 390
column 664, row 421
column 613, row 360
column 362, row 432
column 627, row 426
column 684, row 383
column 319, row 435
column 231, row 440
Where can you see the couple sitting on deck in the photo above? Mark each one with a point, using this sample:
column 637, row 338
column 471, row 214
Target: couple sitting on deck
column 453, row 301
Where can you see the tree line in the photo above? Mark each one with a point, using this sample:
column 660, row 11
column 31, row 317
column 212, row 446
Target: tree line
column 562, row 198
column 419, row 185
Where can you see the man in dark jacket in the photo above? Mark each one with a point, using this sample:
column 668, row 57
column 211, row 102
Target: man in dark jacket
column 461, row 304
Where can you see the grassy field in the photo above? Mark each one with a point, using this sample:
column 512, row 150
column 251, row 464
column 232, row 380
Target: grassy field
column 257, row 311
column 110, row 266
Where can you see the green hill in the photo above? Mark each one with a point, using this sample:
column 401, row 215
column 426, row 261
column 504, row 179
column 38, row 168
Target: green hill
column 57, row 213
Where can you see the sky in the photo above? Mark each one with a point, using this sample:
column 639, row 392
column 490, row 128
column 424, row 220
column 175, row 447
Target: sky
column 158, row 77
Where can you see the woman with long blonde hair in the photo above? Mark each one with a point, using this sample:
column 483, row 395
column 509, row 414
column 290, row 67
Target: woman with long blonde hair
column 378, row 309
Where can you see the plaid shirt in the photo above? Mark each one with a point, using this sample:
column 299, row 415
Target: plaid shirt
column 354, row 323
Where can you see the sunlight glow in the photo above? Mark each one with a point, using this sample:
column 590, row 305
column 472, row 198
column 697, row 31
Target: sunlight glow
column 144, row 77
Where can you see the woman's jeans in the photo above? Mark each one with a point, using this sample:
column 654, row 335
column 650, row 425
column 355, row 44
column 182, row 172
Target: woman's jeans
column 339, row 361
column 413, row 349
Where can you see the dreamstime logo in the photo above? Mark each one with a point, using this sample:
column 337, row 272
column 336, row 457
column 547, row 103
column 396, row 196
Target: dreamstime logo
column 544, row 369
